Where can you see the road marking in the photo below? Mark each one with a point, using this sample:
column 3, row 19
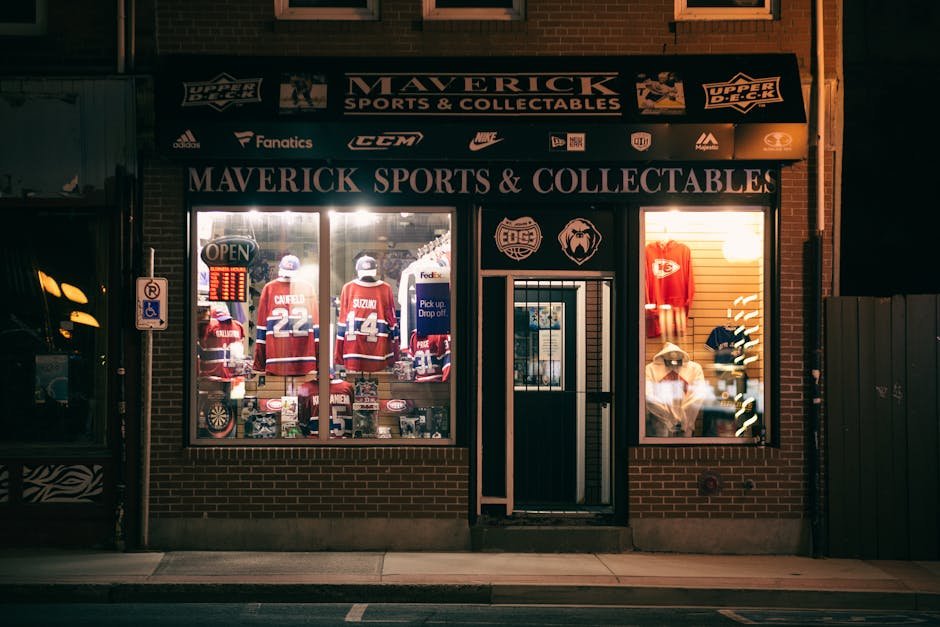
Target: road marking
column 355, row 613
column 736, row 617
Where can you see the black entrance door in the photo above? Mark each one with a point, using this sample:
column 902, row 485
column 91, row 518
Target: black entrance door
column 545, row 382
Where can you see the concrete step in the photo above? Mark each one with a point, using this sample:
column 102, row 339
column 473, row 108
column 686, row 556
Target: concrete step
column 551, row 539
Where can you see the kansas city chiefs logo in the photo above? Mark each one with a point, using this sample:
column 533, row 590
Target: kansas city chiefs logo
column 664, row 267
column 579, row 240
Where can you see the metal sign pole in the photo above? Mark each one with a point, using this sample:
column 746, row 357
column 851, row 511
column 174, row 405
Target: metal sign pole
column 145, row 431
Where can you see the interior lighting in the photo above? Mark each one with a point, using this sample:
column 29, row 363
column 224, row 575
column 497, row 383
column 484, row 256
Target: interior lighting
column 74, row 294
column 81, row 317
column 49, row 284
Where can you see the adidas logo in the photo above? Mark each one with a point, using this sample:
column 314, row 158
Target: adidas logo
column 244, row 137
column 186, row 141
column 706, row 141
column 484, row 139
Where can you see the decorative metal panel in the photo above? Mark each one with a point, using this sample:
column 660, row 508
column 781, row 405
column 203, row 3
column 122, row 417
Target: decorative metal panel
column 56, row 483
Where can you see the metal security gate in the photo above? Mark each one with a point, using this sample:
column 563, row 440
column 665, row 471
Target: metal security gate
column 883, row 419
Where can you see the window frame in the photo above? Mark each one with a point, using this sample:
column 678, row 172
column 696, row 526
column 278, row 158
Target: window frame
column 769, row 11
column 430, row 11
column 37, row 27
column 283, row 11
column 326, row 215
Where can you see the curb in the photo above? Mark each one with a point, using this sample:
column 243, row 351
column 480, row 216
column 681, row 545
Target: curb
column 488, row 594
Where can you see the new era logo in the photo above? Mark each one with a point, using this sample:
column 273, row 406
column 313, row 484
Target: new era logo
column 186, row 141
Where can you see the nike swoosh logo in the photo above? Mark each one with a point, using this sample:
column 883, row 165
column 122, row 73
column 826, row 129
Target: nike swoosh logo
column 474, row 146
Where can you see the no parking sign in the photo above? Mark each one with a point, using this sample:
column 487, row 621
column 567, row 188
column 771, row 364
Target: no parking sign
column 151, row 304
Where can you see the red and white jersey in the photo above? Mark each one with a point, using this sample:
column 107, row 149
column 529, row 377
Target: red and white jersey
column 430, row 356
column 215, row 354
column 669, row 288
column 342, row 395
column 669, row 274
column 366, row 329
column 288, row 328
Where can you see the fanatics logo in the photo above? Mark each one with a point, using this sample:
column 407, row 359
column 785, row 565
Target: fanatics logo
column 519, row 238
column 268, row 143
column 706, row 141
column 221, row 92
column 484, row 139
column 742, row 93
column 244, row 137
column 186, row 141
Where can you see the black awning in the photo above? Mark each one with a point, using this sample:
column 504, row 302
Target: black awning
column 711, row 107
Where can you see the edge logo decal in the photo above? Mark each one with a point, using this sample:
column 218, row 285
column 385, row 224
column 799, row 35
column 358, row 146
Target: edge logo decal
column 742, row 92
column 221, row 92
column 519, row 238
column 579, row 240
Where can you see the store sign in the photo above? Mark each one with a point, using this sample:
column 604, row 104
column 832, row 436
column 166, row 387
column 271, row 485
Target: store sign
column 503, row 181
column 233, row 250
column 514, row 240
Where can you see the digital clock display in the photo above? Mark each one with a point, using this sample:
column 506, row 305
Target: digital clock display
column 228, row 283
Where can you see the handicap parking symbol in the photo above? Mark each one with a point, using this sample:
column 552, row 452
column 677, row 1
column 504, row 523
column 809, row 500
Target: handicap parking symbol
column 150, row 310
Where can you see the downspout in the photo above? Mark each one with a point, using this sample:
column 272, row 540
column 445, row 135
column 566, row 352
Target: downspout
column 120, row 36
column 816, row 454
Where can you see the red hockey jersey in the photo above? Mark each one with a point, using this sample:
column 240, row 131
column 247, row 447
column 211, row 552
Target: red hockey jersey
column 288, row 328
column 342, row 395
column 430, row 356
column 215, row 354
column 366, row 329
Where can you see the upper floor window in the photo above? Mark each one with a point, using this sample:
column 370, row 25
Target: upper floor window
column 22, row 17
column 326, row 9
column 474, row 9
column 726, row 9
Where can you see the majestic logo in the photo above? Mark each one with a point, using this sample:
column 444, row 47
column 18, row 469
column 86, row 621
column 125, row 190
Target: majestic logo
column 641, row 141
column 272, row 143
column 519, row 238
column 706, row 141
column 484, row 139
column 663, row 268
column 742, row 93
column 186, row 141
column 384, row 141
column 567, row 142
column 777, row 141
column 579, row 240
column 221, row 92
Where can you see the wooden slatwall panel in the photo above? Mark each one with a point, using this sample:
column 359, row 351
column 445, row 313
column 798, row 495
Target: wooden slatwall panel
column 882, row 436
column 718, row 282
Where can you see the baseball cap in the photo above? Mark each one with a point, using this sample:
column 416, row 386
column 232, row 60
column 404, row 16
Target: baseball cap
column 289, row 266
column 220, row 312
column 366, row 266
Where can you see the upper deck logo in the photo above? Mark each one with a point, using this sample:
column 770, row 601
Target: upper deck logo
column 742, row 93
column 519, row 238
column 221, row 92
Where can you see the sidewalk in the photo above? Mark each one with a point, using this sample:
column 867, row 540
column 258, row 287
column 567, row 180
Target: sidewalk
column 633, row 578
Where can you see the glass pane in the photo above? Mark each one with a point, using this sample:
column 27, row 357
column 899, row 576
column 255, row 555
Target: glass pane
column 725, row 4
column 391, row 302
column 257, row 323
column 704, row 324
column 328, row 4
column 54, row 324
column 478, row 4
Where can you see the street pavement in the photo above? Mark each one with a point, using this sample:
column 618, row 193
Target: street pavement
column 631, row 578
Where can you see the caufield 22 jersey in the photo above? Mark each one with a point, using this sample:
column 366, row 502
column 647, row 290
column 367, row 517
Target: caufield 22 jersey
column 288, row 328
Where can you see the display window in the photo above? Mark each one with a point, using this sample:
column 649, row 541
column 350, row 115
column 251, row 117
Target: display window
column 704, row 324
column 54, row 323
column 292, row 306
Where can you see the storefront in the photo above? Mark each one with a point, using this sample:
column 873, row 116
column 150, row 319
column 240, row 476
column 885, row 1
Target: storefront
column 513, row 271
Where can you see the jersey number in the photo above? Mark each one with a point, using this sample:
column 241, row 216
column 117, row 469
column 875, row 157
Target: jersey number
column 296, row 318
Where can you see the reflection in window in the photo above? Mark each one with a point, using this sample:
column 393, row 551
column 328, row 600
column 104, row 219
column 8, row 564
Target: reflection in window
column 704, row 324
column 53, row 327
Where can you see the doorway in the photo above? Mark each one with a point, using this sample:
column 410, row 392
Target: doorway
column 553, row 448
